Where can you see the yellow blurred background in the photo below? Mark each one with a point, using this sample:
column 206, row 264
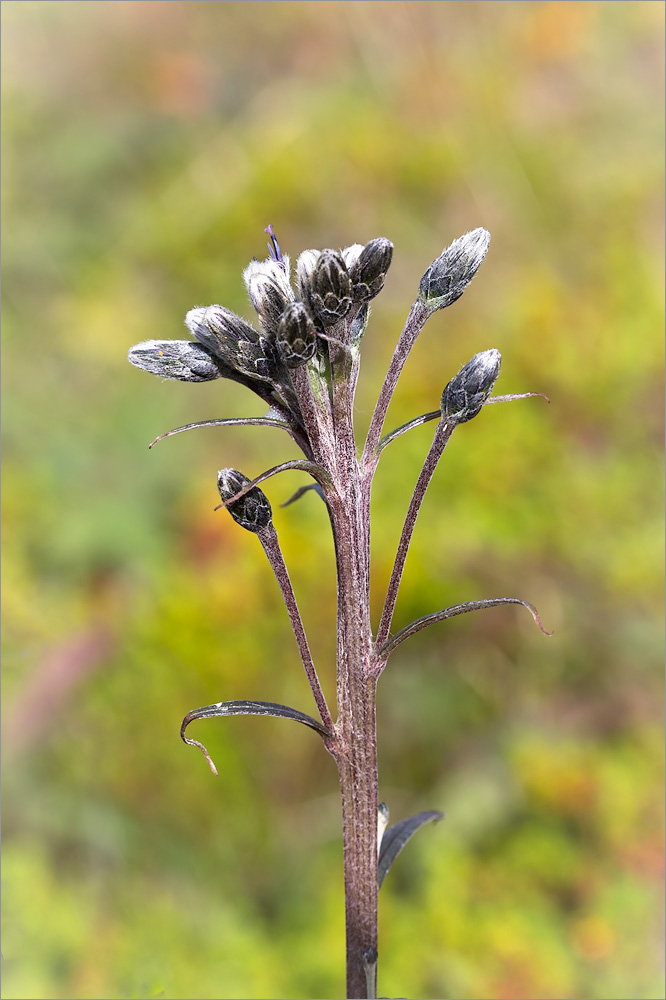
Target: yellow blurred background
column 146, row 146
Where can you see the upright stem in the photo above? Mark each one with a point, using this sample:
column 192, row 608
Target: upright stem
column 356, row 731
column 356, row 727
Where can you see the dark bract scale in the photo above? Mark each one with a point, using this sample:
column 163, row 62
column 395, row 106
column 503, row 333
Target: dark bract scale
column 467, row 392
column 252, row 511
column 296, row 338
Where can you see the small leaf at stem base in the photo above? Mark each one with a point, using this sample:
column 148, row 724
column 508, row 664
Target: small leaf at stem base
column 397, row 836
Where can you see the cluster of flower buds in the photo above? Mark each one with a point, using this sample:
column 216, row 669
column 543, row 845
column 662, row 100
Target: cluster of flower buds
column 331, row 286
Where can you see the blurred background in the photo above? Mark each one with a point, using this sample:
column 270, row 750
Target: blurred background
column 146, row 147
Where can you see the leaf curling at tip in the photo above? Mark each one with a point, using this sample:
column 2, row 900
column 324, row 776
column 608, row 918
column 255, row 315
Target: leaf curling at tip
column 222, row 709
column 452, row 612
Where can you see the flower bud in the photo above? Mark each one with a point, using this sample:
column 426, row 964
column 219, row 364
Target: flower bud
column 305, row 266
column 467, row 392
column 236, row 343
column 329, row 292
column 177, row 359
column 448, row 276
column 368, row 270
column 270, row 293
column 296, row 338
column 252, row 511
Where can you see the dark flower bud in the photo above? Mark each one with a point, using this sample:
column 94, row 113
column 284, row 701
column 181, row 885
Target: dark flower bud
column 177, row 359
column 448, row 276
column 329, row 293
column 296, row 338
column 467, row 392
column 252, row 511
column 368, row 270
column 237, row 344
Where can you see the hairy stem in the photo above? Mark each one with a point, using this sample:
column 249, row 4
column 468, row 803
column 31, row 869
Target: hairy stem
column 356, row 728
column 356, row 731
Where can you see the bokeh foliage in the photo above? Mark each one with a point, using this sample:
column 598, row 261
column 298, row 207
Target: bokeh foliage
column 146, row 146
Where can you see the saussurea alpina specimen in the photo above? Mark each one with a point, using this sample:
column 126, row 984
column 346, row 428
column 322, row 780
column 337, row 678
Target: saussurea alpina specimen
column 303, row 363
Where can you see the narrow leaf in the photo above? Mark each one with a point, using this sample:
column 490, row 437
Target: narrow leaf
column 398, row 431
column 304, row 489
column 458, row 609
column 229, row 422
column 397, row 836
column 225, row 708
column 514, row 395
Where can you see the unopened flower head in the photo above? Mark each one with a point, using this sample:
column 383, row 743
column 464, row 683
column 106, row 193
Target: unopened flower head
column 368, row 268
column 268, row 285
column 329, row 291
column 234, row 342
column 176, row 359
column 296, row 337
column 467, row 392
column 252, row 511
column 448, row 276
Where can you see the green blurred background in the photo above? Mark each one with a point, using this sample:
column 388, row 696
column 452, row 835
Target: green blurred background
column 146, row 147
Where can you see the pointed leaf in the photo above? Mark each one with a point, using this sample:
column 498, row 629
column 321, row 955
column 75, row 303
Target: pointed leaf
column 229, row 422
column 514, row 395
column 397, row 836
column 304, row 489
column 416, row 422
column 458, row 609
column 225, row 708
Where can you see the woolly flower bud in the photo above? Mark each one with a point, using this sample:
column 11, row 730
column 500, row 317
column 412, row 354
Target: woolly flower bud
column 305, row 266
column 368, row 270
column 448, row 276
column 177, row 359
column 296, row 338
column 237, row 344
column 252, row 511
column 270, row 293
column 467, row 392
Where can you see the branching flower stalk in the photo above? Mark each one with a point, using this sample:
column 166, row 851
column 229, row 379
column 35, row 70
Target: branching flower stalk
column 303, row 362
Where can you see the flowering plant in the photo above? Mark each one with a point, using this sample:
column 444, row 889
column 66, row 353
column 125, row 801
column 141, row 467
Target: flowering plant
column 303, row 363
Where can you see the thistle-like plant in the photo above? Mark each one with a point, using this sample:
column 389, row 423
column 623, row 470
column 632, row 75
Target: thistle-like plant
column 303, row 362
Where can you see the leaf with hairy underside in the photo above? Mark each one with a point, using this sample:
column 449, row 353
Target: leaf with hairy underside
column 457, row 609
column 227, row 422
column 397, row 836
column 416, row 422
column 225, row 708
